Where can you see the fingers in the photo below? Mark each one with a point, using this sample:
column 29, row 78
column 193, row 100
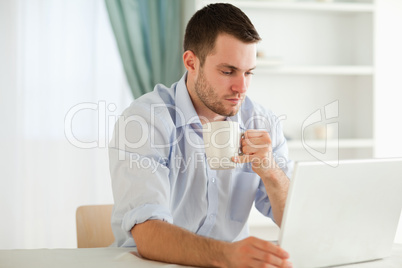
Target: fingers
column 252, row 147
column 270, row 247
column 256, row 148
column 270, row 258
column 246, row 158
column 255, row 140
column 255, row 252
column 241, row 159
column 269, row 253
column 254, row 133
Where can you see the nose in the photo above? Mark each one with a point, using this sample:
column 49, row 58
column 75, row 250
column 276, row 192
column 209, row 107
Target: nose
column 240, row 84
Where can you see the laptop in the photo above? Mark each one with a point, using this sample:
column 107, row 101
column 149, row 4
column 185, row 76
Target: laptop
column 344, row 214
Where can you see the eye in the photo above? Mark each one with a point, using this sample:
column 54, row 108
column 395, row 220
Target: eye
column 249, row 73
column 227, row 73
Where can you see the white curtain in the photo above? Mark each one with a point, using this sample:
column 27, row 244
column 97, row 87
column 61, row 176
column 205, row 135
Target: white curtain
column 62, row 87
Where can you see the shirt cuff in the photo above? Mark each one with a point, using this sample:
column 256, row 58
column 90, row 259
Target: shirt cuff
column 262, row 203
column 144, row 213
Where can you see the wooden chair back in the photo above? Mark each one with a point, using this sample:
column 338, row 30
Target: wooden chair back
column 94, row 226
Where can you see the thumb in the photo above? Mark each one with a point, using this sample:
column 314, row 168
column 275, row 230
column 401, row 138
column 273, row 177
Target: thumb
column 241, row 158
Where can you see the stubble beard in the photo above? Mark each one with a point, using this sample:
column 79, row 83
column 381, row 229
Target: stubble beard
column 206, row 93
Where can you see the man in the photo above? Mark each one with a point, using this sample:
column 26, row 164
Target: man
column 168, row 202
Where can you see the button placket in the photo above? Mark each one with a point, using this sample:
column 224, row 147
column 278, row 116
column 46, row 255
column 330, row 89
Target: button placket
column 212, row 197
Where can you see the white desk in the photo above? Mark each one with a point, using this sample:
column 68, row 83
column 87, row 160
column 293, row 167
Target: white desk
column 122, row 257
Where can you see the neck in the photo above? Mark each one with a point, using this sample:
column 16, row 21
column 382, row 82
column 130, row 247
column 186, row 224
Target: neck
column 206, row 119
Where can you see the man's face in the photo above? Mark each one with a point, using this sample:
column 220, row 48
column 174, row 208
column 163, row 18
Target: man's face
column 222, row 82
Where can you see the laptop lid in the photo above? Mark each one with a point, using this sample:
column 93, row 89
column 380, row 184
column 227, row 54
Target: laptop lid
column 343, row 214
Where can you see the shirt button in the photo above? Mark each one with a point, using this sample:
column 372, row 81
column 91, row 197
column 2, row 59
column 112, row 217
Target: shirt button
column 213, row 180
column 212, row 216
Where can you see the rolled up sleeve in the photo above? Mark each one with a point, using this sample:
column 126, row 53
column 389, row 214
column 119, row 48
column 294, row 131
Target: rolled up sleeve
column 140, row 178
column 144, row 213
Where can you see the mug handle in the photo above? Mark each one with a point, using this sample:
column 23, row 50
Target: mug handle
column 240, row 152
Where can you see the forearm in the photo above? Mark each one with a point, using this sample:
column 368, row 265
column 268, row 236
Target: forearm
column 162, row 241
column 257, row 149
column 277, row 185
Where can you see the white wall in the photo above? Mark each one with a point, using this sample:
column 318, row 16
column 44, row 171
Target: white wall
column 54, row 55
column 388, row 83
column 8, row 103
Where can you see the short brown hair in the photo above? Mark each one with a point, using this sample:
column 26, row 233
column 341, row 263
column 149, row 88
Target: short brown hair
column 207, row 23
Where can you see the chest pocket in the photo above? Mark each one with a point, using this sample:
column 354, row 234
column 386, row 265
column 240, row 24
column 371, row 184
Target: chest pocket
column 244, row 186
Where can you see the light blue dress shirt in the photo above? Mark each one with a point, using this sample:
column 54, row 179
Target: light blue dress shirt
column 159, row 170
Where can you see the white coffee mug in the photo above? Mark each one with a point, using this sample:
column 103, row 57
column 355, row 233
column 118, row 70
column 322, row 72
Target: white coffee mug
column 222, row 142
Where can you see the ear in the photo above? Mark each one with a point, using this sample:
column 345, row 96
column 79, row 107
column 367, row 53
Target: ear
column 190, row 61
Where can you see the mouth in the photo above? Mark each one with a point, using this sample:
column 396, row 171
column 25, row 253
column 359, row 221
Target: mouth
column 234, row 100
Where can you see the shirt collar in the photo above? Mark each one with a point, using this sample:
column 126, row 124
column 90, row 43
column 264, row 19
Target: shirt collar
column 185, row 112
